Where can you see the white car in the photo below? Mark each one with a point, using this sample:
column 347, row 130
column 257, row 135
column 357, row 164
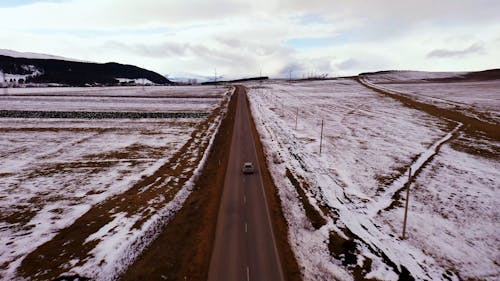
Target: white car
column 248, row 168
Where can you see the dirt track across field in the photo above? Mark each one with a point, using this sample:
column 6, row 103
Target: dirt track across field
column 470, row 124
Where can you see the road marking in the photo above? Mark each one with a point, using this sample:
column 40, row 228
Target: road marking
column 244, row 199
column 246, row 227
column 248, row 274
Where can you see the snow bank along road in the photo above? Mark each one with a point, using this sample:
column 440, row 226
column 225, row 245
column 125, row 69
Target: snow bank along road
column 244, row 248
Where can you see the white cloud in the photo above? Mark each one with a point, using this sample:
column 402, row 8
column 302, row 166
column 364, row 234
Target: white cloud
column 447, row 53
column 242, row 37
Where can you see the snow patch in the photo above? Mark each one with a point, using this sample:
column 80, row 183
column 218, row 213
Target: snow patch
column 369, row 141
column 29, row 55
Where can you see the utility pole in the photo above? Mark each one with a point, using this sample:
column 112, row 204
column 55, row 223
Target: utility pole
column 215, row 77
column 290, row 75
column 260, row 78
column 296, row 117
column 406, row 206
column 321, row 138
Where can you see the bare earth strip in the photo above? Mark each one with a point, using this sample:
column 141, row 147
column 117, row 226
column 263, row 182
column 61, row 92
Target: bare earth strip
column 73, row 246
column 472, row 124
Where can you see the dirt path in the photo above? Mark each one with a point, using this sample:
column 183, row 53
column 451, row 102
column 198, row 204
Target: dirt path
column 473, row 125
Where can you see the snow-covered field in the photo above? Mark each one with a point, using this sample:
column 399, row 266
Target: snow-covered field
column 149, row 91
column 369, row 143
column 112, row 99
column 108, row 104
column 55, row 170
column 480, row 99
column 408, row 76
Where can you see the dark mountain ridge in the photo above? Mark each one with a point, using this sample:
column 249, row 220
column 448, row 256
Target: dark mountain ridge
column 74, row 73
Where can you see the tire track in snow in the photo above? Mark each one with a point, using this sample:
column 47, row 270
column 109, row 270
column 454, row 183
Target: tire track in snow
column 388, row 197
column 325, row 188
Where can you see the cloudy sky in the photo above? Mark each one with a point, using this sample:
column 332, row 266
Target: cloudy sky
column 242, row 37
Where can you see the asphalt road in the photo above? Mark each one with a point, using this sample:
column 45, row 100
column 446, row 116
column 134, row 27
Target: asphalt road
column 244, row 247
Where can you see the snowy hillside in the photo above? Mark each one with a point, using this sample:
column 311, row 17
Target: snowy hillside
column 403, row 76
column 29, row 55
column 408, row 77
column 18, row 69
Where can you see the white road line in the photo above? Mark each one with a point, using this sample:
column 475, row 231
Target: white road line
column 248, row 274
column 246, row 227
column 244, row 199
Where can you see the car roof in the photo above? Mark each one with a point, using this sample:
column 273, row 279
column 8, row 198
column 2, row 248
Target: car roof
column 248, row 163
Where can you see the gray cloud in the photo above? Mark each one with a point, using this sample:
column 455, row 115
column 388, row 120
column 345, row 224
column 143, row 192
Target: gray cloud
column 292, row 68
column 240, row 37
column 230, row 42
column 258, row 49
column 475, row 48
column 209, row 56
column 154, row 51
column 171, row 49
column 348, row 64
column 306, row 68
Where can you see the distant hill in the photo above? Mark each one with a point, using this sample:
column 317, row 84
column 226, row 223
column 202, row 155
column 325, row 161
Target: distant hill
column 406, row 76
column 237, row 80
column 187, row 77
column 491, row 74
column 29, row 55
column 44, row 69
